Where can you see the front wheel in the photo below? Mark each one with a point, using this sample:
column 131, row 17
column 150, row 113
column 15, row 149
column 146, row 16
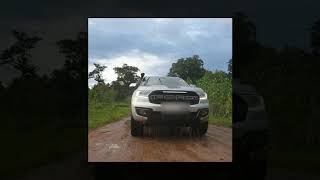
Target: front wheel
column 200, row 129
column 136, row 128
column 203, row 128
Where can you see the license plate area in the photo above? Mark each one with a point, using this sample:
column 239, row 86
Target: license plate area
column 174, row 107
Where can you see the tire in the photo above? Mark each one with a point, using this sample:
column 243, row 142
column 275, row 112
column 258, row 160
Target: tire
column 200, row 129
column 136, row 128
column 203, row 128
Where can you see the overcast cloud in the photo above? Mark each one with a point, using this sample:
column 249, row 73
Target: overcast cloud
column 153, row 45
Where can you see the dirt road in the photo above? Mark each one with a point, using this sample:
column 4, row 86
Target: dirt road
column 114, row 142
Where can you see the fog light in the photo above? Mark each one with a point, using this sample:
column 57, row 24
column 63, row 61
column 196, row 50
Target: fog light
column 204, row 112
column 143, row 111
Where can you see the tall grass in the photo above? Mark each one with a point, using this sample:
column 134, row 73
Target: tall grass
column 218, row 86
column 103, row 114
column 104, row 108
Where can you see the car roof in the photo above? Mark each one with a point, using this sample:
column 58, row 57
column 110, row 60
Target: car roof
column 163, row 77
column 146, row 77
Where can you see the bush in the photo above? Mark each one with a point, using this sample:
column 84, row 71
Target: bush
column 103, row 107
column 101, row 94
column 219, row 89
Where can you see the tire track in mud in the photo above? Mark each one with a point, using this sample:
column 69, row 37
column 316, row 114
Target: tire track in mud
column 114, row 142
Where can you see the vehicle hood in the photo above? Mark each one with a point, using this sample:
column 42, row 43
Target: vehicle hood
column 166, row 88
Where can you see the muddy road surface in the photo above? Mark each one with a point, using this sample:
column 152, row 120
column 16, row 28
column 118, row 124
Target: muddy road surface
column 114, row 142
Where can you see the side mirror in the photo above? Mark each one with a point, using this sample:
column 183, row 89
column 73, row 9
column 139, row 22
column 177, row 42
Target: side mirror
column 192, row 85
column 132, row 85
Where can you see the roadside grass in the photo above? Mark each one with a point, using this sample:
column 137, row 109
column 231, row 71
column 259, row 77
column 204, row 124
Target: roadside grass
column 220, row 121
column 103, row 114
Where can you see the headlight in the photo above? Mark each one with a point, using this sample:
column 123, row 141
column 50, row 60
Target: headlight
column 143, row 93
column 202, row 95
column 143, row 111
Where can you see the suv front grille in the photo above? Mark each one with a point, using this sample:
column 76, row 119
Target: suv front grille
column 159, row 96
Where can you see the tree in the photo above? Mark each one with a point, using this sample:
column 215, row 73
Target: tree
column 97, row 73
column 68, row 81
column 230, row 67
column 190, row 68
column 126, row 76
column 19, row 54
column 76, row 53
column 101, row 94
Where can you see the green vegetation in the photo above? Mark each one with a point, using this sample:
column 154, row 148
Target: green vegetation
column 126, row 76
column 220, row 121
column 219, row 89
column 101, row 115
column 190, row 69
column 216, row 84
column 108, row 103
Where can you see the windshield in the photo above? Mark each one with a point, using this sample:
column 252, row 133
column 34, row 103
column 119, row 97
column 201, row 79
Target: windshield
column 167, row 81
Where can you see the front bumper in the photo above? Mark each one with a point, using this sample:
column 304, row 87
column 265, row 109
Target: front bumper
column 158, row 116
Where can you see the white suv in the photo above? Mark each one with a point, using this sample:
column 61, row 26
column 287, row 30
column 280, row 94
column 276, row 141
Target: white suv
column 168, row 101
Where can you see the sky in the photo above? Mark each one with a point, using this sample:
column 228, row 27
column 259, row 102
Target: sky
column 153, row 44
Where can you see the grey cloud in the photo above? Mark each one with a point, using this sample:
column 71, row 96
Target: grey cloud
column 175, row 38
